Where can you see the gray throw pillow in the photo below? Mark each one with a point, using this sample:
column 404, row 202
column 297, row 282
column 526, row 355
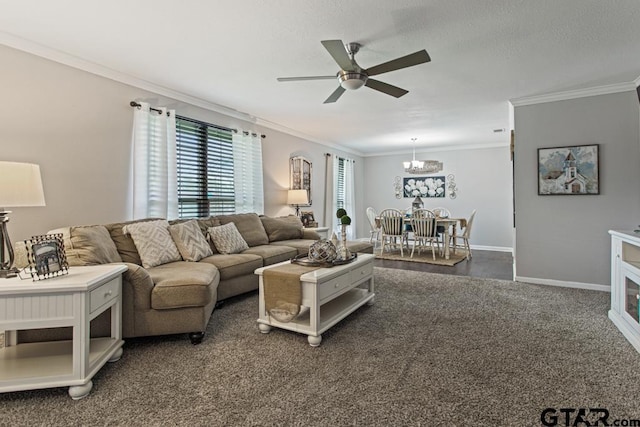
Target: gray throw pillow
column 282, row 228
column 153, row 242
column 191, row 243
column 227, row 239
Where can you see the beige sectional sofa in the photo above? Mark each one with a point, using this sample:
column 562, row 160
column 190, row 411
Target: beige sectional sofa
column 179, row 296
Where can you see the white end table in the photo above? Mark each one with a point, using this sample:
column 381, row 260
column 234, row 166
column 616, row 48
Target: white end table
column 69, row 300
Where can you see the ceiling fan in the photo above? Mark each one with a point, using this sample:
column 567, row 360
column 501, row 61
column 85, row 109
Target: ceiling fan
column 351, row 76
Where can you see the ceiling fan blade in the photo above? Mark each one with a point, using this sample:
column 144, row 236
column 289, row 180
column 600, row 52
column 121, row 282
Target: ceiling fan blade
column 295, row 79
column 396, row 64
column 386, row 88
column 339, row 53
column 335, row 95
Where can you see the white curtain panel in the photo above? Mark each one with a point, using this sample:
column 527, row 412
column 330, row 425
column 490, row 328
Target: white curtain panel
column 247, row 172
column 349, row 196
column 329, row 198
column 155, row 179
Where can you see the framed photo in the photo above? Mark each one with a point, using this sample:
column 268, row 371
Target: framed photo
column 571, row 170
column 307, row 218
column 426, row 186
column 46, row 256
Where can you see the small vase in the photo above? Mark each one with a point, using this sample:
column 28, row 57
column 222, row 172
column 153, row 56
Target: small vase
column 343, row 252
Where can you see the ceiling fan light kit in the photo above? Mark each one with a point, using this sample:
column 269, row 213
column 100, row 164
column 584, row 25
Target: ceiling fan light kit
column 351, row 76
column 351, row 80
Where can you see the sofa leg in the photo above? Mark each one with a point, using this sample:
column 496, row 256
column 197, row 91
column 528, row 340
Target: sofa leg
column 196, row 337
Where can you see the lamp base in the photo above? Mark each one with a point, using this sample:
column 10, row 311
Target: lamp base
column 7, row 274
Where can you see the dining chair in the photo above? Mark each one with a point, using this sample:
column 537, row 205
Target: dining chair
column 423, row 222
column 466, row 235
column 392, row 228
column 375, row 228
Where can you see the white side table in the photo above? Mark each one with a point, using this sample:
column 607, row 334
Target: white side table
column 69, row 300
column 322, row 231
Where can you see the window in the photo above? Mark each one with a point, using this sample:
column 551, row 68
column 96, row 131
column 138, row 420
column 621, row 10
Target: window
column 340, row 188
column 205, row 169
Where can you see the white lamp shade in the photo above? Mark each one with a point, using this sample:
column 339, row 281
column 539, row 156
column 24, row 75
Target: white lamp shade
column 20, row 185
column 297, row 197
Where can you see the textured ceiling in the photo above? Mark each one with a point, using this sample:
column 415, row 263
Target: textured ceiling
column 230, row 52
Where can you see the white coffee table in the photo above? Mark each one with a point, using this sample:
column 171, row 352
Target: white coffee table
column 328, row 296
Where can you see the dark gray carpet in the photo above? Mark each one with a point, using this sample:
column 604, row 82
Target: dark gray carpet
column 434, row 350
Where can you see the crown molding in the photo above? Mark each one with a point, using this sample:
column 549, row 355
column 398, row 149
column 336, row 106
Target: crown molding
column 36, row 49
column 573, row 94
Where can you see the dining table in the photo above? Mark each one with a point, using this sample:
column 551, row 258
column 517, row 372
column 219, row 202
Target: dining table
column 450, row 225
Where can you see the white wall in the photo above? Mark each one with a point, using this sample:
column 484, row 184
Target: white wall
column 483, row 178
column 564, row 238
column 77, row 127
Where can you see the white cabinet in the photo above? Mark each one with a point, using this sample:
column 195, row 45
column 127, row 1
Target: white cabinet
column 72, row 300
column 625, row 284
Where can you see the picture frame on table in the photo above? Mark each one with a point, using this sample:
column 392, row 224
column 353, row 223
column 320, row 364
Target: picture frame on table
column 46, row 256
column 569, row 171
column 307, row 218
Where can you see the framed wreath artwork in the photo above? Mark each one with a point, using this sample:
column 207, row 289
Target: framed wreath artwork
column 46, row 256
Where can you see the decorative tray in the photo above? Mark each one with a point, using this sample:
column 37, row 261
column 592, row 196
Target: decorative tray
column 304, row 260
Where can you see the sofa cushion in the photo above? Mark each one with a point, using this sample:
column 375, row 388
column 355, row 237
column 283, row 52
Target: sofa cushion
column 124, row 243
column 234, row 265
column 204, row 224
column 153, row 242
column 301, row 245
column 227, row 239
column 182, row 284
column 249, row 226
column 190, row 241
column 93, row 245
column 284, row 228
column 88, row 245
column 272, row 254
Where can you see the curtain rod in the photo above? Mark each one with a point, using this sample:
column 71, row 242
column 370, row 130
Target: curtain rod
column 340, row 157
column 135, row 104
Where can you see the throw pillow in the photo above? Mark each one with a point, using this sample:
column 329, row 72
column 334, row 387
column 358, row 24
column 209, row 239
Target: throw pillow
column 282, row 229
column 227, row 239
column 93, row 245
column 191, row 243
column 153, row 242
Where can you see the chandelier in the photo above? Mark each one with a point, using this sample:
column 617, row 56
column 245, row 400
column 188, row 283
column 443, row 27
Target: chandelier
column 421, row 166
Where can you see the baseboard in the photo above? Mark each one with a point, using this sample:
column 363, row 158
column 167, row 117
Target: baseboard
column 564, row 284
column 492, row 248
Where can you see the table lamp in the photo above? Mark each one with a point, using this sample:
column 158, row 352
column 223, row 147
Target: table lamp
column 297, row 198
column 20, row 186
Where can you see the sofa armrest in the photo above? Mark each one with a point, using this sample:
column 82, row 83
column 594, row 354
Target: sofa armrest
column 136, row 288
column 310, row 234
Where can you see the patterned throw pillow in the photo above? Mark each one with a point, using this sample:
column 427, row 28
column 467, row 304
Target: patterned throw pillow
column 227, row 239
column 153, row 242
column 191, row 243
